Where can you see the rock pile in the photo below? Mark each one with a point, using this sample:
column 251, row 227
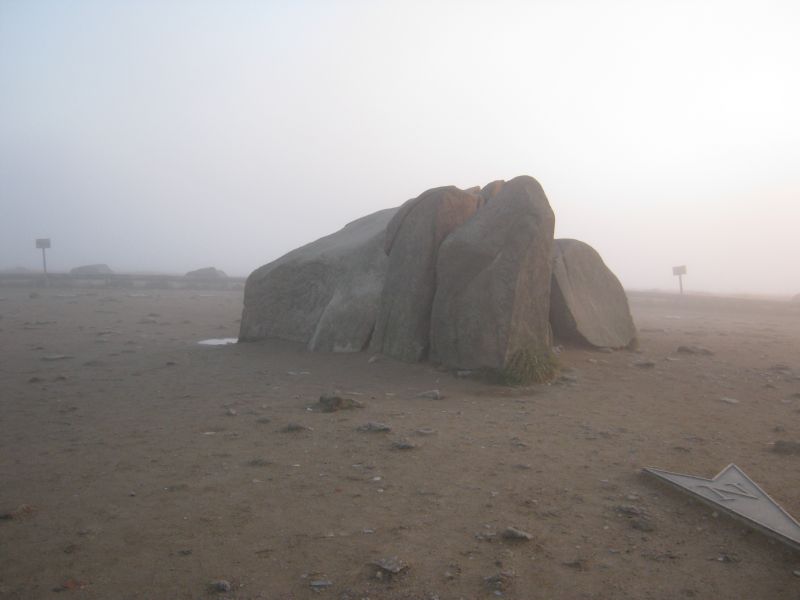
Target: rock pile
column 99, row 269
column 470, row 279
column 207, row 273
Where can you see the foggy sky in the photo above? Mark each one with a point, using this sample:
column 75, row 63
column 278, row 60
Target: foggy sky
column 167, row 136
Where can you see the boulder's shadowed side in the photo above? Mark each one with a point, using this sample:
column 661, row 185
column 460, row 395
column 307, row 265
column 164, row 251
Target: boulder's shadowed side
column 492, row 300
column 324, row 294
column 588, row 304
column 413, row 238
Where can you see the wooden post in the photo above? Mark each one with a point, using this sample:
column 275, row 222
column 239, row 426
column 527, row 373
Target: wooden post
column 680, row 272
column 44, row 244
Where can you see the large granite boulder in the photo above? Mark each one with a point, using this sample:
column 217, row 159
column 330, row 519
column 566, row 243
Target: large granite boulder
column 492, row 303
column 324, row 294
column 206, row 273
column 99, row 269
column 413, row 238
column 587, row 302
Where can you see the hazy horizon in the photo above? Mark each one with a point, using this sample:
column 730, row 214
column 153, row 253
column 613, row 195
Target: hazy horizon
column 172, row 136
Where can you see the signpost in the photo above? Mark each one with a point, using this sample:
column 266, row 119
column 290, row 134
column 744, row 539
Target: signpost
column 44, row 244
column 680, row 272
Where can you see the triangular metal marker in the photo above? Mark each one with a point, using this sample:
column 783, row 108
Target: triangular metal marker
column 735, row 493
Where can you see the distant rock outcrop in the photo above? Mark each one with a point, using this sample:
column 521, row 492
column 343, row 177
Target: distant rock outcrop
column 207, row 273
column 588, row 304
column 460, row 277
column 493, row 282
column 99, row 269
column 325, row 294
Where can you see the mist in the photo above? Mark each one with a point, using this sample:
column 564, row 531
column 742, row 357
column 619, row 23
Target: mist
column 171, row 136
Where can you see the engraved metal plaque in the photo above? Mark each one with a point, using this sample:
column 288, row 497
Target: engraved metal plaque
column 735, row 493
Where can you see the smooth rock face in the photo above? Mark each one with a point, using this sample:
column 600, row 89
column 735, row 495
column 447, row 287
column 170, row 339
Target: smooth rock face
column 207, row 273
column 588, row 304
column 324, row 294
column 412, row 242
column 100, row 269
column 493, row 282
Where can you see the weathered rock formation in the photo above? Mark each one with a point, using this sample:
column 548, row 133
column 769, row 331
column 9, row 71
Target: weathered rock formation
column 325, row 294
column 493, row 282
column 462, row 277
column 588, row 304
column 99, row 269
column 413, row 237
column 207, row 273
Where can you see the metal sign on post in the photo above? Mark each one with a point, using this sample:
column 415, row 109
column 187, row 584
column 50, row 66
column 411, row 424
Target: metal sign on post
column 44, row 244
column 680, row 272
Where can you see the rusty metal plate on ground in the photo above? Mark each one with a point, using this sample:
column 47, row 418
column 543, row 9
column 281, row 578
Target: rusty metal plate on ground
column 735, row 493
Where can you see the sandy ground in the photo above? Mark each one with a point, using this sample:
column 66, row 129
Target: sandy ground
column 140, row 464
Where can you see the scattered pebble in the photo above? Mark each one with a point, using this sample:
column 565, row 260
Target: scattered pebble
column 71, row 585
column 425, row 431
column 403, row 445
column 220, row 585
column 330, row 404
column 512, row 533
column 642, row 524
column 231, row 412
column 579, row 564
column 729, row 400
column 53, row 357
column 373, row 427
column 786, row 447
column 728, row 558
column 295, row 428
column 23, row 510
column 320, row 584
column 387, row 567
column 695, row 350
column 644, row 364
column 501, row 581
column 432, row 394
column 629, row 510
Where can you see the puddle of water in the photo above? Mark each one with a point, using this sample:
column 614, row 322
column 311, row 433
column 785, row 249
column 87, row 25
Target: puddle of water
column 218, row 341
